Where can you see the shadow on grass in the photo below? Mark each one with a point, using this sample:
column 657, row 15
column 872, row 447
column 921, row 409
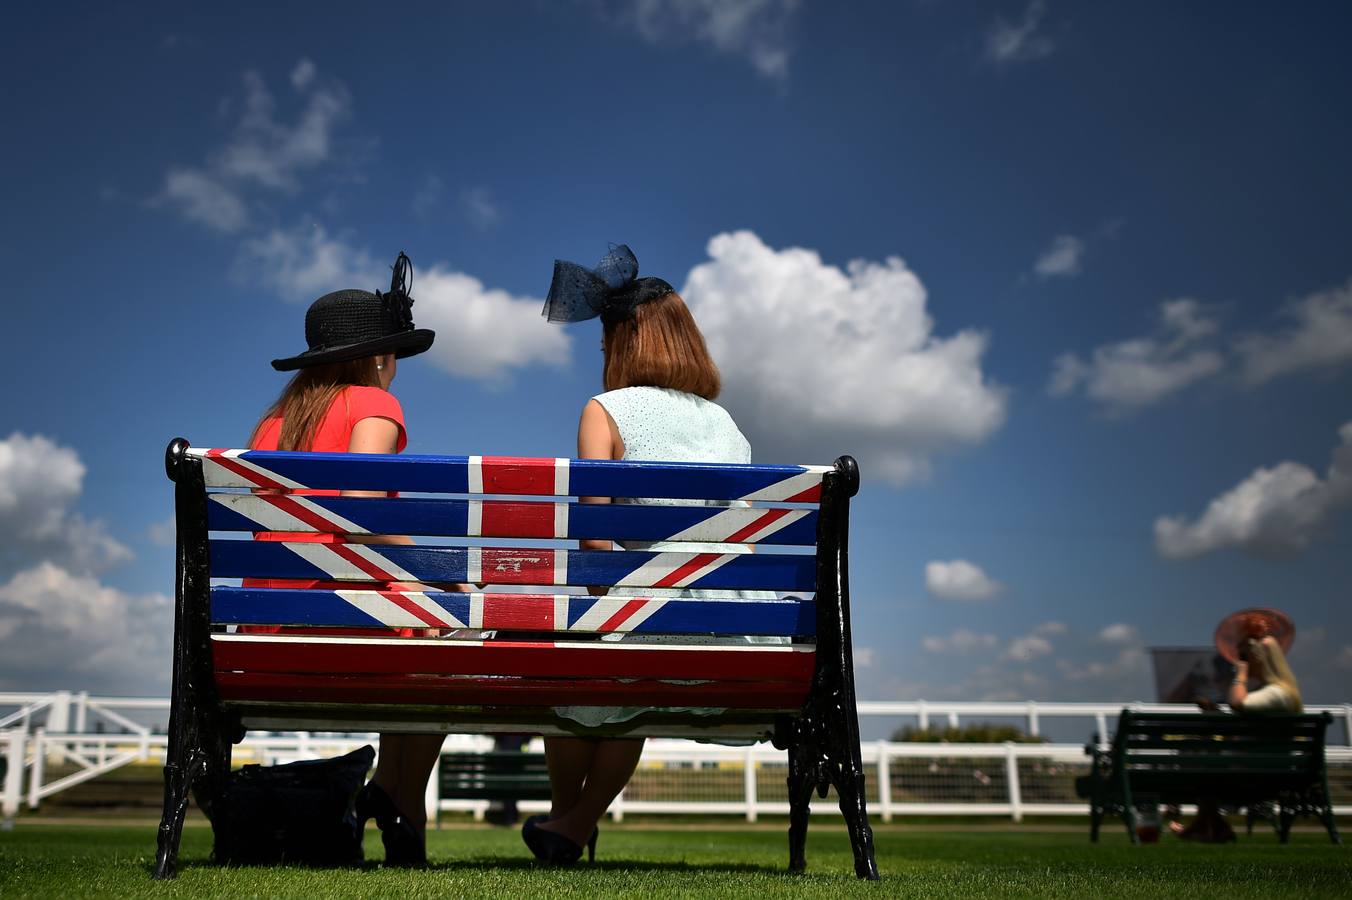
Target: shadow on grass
column 502, row 864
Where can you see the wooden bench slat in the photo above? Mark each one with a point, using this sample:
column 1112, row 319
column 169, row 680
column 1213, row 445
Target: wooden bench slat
column 533, row 566
column 596, row 659
column 447, row 693
column 511, row 519
column 509, row 475
column 512, row 612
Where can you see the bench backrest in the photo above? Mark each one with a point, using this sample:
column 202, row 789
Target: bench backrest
column 1190, row 744
column 353, row 648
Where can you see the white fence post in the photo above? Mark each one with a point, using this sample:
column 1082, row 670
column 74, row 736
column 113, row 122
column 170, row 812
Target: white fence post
column 617, row 808
column 1032, row 718
column 35, row 773
column 749, row 782
column 81, row 711
column 1102, row 721
column 922, row 713
column 58, row 715
column 1347, row 722
column 14, row 758
column 884, row 783
column 1012, row 778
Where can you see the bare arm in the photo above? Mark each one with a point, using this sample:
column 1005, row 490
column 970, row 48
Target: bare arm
column 1239, row 690
column 374, row 434
column 597, row 438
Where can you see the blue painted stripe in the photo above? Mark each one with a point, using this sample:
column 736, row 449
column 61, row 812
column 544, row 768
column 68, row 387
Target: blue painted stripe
column 615, row 521
column 587, row 477
column 261, row 606
column 271, row 559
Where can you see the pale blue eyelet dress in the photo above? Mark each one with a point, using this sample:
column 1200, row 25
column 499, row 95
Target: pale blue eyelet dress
column 665, row 425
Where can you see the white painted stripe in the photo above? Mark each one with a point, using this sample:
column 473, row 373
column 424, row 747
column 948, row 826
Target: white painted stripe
column 561, row 477
column 720, row 527
column 267, row 516
column 436, row 609
column 655, row 569
column 640, row 615
column 560, row 566
column 331, row 517
column 475, row 515
column 474, row 565
column 600, row 612
column 561, row 520
column 381, row 609
column 700, row 573
column 374, row 558
column 476, row 610
column 560, row 612
column 266, row 473
column 328, row 562
column 476, row 475
column 794, row 484
column 777, row 525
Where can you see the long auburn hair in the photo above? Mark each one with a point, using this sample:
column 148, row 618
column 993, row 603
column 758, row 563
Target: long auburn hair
column 661, row 346
column 307, row 397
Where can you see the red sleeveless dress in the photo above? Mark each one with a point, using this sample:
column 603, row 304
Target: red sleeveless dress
column 353, row 403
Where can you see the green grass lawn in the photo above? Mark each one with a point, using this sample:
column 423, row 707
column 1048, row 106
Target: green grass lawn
column 718, row 860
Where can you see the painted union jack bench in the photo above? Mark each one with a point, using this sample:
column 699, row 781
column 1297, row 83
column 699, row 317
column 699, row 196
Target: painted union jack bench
column 389, row 641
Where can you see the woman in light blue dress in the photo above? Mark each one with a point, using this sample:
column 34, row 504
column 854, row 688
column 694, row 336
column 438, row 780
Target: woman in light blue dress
column 658, row 405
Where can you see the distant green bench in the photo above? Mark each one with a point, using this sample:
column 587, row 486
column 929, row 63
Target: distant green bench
column 1236, row 761
column 496, row 775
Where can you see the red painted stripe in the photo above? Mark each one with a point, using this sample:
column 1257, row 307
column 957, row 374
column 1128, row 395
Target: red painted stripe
column 360, row 562
column 218, row 456
column 689, row 566
column 518, row 566
column 406, row 603
column 771, row 515
column 514, row 658
column 309, row 517
column 401, row 690
column 518, row 475
column 808, row 496
column 623, row 613
column 513, row 611
column 503, row 518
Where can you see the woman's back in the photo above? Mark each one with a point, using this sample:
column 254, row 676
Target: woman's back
column 667, row 425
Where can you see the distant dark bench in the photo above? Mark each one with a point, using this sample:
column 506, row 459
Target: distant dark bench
column 336, row 665
column 495, row 775
column 1233, row 760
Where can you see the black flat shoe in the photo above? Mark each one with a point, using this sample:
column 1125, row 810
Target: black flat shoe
column 552, row 848
column 403, row 846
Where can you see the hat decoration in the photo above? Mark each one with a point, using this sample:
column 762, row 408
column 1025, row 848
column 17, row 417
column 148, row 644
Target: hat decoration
column 1254, row 623
column 612, row 290
column 351, row 324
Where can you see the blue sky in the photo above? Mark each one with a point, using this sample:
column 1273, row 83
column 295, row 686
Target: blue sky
column 1073, row 283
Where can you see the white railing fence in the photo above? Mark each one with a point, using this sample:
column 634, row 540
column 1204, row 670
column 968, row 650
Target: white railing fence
column 74, row 734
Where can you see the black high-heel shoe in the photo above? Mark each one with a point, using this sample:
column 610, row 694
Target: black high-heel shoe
column 403, row 846
column 553, row 848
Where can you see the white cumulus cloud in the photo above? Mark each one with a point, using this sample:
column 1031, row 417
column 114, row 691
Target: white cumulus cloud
column 961, row 640
column 1119, row 633
column 40, row 482
column 959, row 579
column 757, row 30
column 1318, row 336
column 1276, row 511
column 1130, row 375
column 1061, row 259
column 1022, row 40
column 66, row 630
column 1028, row 647
column 482, row 332
column 264, row 152
column 819, row 361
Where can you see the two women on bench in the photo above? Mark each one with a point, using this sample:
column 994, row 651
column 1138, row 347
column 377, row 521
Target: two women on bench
column 660, row 384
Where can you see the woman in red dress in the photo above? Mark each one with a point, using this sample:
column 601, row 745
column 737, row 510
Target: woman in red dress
column 339, row 402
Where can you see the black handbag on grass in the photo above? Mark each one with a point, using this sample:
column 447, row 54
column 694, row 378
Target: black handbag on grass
column 300, row 813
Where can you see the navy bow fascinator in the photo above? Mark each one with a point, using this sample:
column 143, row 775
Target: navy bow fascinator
column 610, row 291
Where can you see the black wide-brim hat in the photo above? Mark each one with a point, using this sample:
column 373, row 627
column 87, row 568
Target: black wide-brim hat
column 352, row 324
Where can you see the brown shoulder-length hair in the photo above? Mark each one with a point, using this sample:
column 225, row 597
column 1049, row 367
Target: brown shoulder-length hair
column 659, row 346
column 307, row 397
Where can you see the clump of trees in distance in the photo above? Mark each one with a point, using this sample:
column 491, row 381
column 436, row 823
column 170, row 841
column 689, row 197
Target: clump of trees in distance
column 975, row 733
